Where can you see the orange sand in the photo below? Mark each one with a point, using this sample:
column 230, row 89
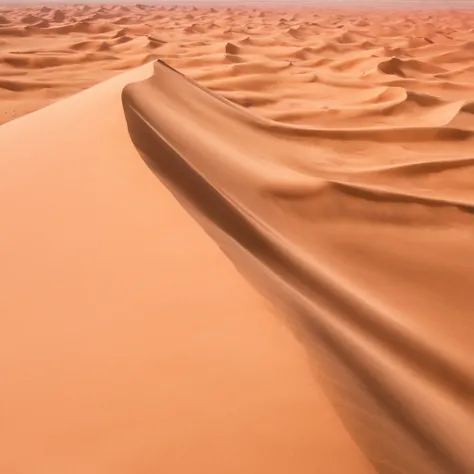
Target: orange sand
column 255, row 255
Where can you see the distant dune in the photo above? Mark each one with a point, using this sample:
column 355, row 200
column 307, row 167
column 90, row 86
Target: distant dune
column 241, row 243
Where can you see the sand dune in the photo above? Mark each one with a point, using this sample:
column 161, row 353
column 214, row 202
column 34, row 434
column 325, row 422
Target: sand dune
column 299, row 227
column 124, row 347
column 253, row 255
column 429, row 51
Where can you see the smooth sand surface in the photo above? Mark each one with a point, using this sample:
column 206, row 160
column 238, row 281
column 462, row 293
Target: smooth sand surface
column 128, row 342
column 255, row 255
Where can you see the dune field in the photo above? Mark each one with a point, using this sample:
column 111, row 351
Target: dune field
column 236, row 239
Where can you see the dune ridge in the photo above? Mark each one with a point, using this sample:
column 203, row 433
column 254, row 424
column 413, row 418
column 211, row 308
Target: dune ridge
column 123, row 325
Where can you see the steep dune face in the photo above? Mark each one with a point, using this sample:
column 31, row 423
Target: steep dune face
column 369, row 253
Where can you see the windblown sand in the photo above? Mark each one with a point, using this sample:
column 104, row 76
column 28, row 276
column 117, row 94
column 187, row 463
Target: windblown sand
column 254, row 255
column 334, row 68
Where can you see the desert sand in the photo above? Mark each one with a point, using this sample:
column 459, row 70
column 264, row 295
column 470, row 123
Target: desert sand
column 252, row 252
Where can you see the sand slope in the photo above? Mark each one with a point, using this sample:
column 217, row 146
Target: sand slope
column 128, row 343
column 372, row 261
column 320, row 159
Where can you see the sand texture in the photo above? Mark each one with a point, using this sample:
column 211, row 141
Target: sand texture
column 252, row 255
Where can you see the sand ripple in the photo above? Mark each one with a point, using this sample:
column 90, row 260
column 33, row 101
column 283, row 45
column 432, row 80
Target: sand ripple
column 334, row 57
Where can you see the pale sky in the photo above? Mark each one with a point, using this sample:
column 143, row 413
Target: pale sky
column 414, row 3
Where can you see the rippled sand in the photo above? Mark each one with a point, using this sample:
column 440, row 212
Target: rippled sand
column 253, row 255
column 334, row 68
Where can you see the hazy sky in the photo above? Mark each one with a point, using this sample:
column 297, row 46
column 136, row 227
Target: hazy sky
column 414, row 3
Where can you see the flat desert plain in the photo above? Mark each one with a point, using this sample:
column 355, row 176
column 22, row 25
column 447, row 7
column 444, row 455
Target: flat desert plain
column 238, row 240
